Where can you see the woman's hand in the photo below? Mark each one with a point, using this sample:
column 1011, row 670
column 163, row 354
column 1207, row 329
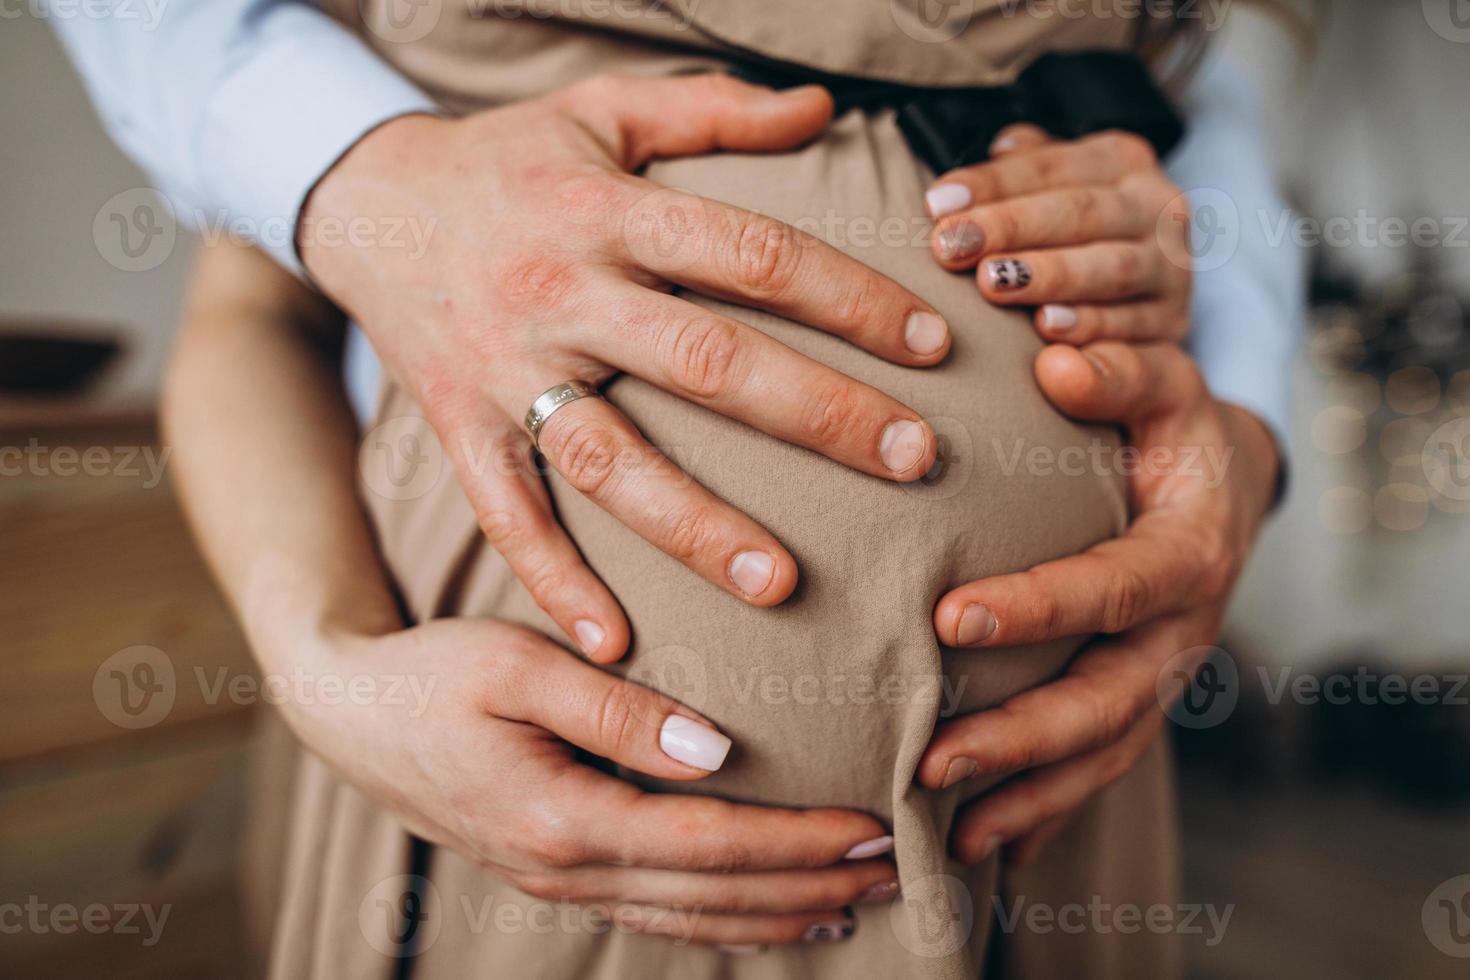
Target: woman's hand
column 547, row 261
column 1091, row 232
column 482, row 761
column 1203, row 477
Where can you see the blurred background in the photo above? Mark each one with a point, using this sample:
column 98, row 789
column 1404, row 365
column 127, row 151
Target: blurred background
column 1328, row 804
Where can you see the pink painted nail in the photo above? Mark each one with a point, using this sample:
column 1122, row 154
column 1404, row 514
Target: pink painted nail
column 945, row 199
column 881, row 892
column 692, row 743
column 870, row 848
column 1057, row 317
column 961, row 240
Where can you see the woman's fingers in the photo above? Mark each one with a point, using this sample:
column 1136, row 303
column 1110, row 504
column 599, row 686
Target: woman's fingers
column 1095, row 273
column 1136, row 322
column 1046, row 795
column 743, row 893
column 738, row 933
column 499, row 475
column 740, row 372
column 535, row 681
column 1065, row 216
column 747, row 258
column 603, row 456
column 1101, row 696
column 614, row 822
column 1099, row 159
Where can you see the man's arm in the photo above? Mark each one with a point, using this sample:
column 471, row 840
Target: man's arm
column 235, row 107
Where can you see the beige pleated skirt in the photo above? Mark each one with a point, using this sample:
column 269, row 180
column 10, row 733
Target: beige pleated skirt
column 830, row 698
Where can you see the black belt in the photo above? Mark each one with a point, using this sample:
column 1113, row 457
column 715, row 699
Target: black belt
column 1068, row 95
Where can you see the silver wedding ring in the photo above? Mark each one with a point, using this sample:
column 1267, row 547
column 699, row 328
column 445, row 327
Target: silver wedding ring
column 552, row 399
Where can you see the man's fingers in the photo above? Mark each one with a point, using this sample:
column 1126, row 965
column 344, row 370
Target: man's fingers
column 1140, row 321
column 1065, row 216
column 1099, row 159
column 740, row 372
column 1099, row 698
column 736, row 255
column 1096, row 273
column 1155, row 568
column 639, row 119
column 499, row 475
column 744, row 893
column 1043, row 795
column 602, row 455
column 1110, row 381
column 1028, row 847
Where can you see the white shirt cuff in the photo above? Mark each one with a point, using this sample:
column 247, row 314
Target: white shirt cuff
column 308, row 91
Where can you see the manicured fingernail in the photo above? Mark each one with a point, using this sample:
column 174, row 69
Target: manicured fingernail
column 881, row 892
column 870, row 848
column 924, row 333
column 1003, row 144
column 988, row 847
column 958, row 769
column 976, row 624
column 751, row 571
column 829, row 932
column 1008, row 273
column 589, row 634
column 1058, row 318
column 692, row 743
column 945, row 199
column 902, row 445
column 741, row 949
column 960, row 240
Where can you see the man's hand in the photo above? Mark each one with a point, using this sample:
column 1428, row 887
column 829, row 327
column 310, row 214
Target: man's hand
column 1205, row 476
column 548, row 262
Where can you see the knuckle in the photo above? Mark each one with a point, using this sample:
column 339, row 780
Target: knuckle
column 554, row 849
column 701, row 355
column 1128, row 266
column 546, row 581
column 1128, row 595
column 534, row 282
column 586, row 452
column 765, row 258
column 827, row 414
column 688, row 532
column 856, row 299
column 1132, row 150
column 617, row 719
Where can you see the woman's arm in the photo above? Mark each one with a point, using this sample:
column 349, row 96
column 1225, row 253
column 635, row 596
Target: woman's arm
column 478, row 756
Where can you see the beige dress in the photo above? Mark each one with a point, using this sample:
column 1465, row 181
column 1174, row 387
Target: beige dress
column 831, row 698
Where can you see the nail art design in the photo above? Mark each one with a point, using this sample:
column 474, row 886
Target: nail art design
column 1008, row 274
column 960, row 240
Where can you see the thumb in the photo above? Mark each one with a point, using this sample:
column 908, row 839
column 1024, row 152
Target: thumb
column 1110, row 381
column 694, row 114
column 540, row 683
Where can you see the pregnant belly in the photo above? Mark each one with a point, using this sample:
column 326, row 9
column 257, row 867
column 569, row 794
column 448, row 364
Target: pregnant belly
column 831, row 698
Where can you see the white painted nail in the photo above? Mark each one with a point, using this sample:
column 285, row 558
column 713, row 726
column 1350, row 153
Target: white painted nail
column 870, row 848
column 1057, row 317
column 693, row 743
column 945, row 199
column 1003, row 144
column 901, row 445
column 751, row 571
column 589, row 634
column 924, row 333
